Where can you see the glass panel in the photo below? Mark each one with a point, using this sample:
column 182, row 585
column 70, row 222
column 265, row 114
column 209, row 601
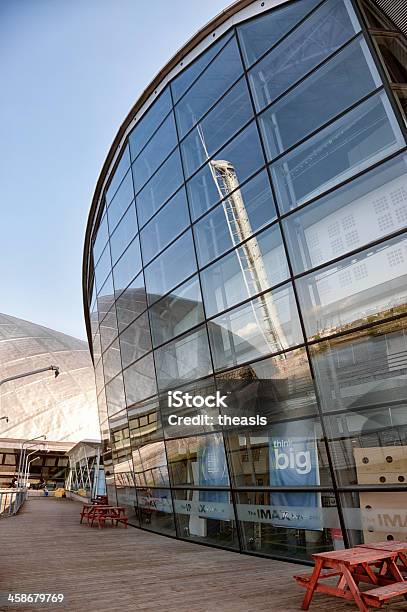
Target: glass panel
column 254, row 267
column 266, row 325
column 182, row 360
column 145, row 422
column 234, row 164
column 131, row 302
column 290, row 525
column 183, row 81
column 115, row 396
column 360, row 212
column 278, row 388
column 177, row 312
column 261, row 33
column 163, row 184
column 163, row 141
column 135, row 341
column 139, row 380
column 317, row 38
column 199, row 418
column 170, row 268
column 341, row 82
column 111, row 361
column 361, row 289
column 117, row 178
column 128, row 266
column 165, row 226
column 244, row 212
column 102, row 236
column 207, row 517
column 228, row 116
column 357, row 140
column 124, row 232
column 106, row 297
column 120, row 202
column 363, row 370
column 198, row 460
column 150, row 465
column 216, row 79
column 376, row 517
column 149, row 122
column 155, row 510
column 103, row 268
column 108, row 328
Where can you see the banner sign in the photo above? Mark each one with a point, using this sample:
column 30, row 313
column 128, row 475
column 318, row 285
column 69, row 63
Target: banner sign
column 294, row 463
column 213, row 469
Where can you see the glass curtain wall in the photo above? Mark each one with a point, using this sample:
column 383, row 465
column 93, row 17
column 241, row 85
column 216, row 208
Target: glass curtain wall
column 252, row 240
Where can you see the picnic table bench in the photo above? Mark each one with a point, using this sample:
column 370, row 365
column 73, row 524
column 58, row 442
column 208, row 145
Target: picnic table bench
column 102, row 513
column 351, row 567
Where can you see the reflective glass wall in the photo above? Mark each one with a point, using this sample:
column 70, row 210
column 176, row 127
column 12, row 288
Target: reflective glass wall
column 251, row 241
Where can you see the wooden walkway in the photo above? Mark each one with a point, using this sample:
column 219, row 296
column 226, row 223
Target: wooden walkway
column 45, row 549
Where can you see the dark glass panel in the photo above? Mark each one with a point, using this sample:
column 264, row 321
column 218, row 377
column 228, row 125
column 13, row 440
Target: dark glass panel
column 289, row 525
column 202, row 418
column 198, row 460
column 155, row 510
column 233, row 165
column 254, row 267
column 228, row 116
column 160, row 145
column 183, row 360
column 122, row 167
column 262, row 326
column 123, row 233
column 135, row 341
column 169, row 269
column 206, row 517
column 139, row 380
column 102, row 237
column 149, row 123
column 187, row 76
column 345, row 79
column 214, row 81
column 172, row 219
column 259, row 34
column 108, row 328
column 105, row 298
column 350, row 144
column 316, row 39
column 363, row 288
column 150, row 465
column 120, row 202
column 145, row 422
column 162, row 185
column 176, row 312
column 132, row 302
column 360, row 212
column 244, row 212
column 128, row 266
column 366, row 369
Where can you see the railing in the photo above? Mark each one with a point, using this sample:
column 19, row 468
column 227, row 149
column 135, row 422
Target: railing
column 11, row 501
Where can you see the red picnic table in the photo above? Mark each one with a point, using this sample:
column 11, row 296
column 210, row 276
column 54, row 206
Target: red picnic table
column 394, row 546
column 352, row 566
column 100, row 513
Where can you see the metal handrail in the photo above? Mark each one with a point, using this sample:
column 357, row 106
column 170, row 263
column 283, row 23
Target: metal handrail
column 11, row 501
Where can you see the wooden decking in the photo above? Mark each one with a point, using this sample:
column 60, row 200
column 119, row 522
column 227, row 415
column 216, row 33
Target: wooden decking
column 45, row 549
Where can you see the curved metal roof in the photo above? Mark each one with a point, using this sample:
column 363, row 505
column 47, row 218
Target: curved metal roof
column 63, row 408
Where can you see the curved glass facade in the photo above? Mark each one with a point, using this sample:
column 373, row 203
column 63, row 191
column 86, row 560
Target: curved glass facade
column 251, row 240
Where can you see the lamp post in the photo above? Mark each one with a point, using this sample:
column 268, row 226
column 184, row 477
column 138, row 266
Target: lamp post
column 23, row 453
column 27, row 473
column 54, row 369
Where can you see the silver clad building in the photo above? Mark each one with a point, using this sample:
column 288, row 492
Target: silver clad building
column 65, row 408
column 248, row 235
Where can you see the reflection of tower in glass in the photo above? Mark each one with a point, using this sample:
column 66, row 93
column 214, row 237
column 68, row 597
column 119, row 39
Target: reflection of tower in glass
column 249, row 254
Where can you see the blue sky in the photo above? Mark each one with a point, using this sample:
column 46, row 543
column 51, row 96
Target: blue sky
column 70, row 71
